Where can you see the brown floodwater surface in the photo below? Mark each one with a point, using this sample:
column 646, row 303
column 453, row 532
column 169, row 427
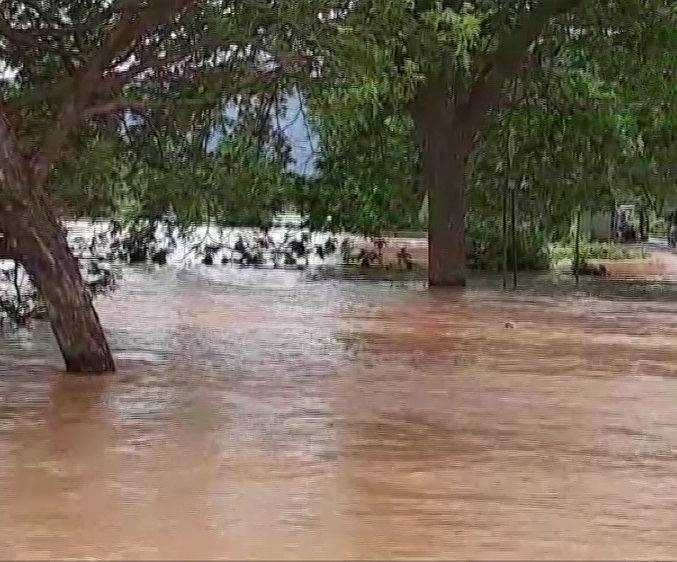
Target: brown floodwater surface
column 263, row 415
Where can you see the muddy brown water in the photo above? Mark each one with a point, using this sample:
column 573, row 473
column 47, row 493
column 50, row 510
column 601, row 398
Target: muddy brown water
column 272, row 416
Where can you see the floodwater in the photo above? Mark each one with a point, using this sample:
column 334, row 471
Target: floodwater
column 268, row 415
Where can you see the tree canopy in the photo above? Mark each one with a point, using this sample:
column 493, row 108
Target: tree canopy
column 109, row 100
column 586, row 120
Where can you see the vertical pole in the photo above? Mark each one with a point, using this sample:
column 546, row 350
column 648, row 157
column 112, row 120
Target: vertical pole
column 513, row 229
column 512, row 186
column 504, row 268
column 577, row 248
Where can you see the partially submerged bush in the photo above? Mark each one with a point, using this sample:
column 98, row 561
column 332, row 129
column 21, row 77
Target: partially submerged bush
column 485, row 247
column 373, row 255
column 155, row 240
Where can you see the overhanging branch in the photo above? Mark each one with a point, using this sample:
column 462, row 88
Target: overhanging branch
column 136, row 19
column 506, row 61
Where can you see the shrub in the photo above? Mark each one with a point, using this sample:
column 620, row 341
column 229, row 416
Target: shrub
column 485, row 247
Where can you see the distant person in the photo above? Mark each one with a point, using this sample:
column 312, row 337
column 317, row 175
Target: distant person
column 621, row 225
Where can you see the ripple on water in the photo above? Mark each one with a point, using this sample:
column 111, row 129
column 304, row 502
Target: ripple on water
column 266, row 416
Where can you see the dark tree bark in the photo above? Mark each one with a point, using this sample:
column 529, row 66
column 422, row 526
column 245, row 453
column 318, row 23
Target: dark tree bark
column 446, row 226
column 40, row 245
column 444, row 154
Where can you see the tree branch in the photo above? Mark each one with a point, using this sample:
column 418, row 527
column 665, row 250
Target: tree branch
column 484, row 93
column 12, row 164
column 141, row 107
column 135, row 20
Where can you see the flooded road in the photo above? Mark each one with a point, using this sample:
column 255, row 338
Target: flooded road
column 266, row 416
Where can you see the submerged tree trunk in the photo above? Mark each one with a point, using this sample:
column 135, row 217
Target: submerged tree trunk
column 446, row 145
column 446, row 239
column 446, row 212
column 40, row 245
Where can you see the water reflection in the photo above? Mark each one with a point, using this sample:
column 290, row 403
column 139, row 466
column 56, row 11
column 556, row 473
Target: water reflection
column 277, row 418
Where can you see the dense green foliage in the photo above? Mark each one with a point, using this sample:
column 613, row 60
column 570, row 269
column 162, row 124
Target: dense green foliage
column 587, row 121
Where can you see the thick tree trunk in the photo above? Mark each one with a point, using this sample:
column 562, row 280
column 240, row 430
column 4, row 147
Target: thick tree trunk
column 41, row 246
column 446, row 212
column 445, row 148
